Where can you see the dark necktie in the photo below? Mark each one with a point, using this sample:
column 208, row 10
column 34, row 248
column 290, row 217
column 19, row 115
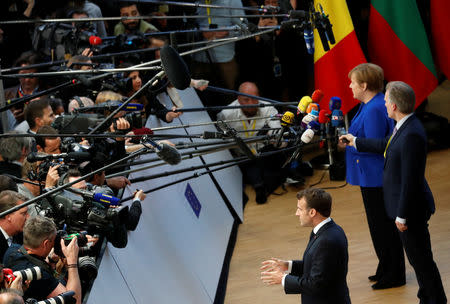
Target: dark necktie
column 312, row 236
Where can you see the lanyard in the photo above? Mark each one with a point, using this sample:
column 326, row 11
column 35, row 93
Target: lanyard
column 208, row 11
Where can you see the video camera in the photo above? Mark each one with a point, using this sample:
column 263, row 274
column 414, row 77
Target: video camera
column 86, row 211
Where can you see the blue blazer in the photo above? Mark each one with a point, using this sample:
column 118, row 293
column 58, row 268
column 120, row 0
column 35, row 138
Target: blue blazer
column 371, row 121
column 321, row 277
column 406, row 191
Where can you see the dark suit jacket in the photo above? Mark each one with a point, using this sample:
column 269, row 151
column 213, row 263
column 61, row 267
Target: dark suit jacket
column 406, row 192
column 3, row 245
column 321, row 276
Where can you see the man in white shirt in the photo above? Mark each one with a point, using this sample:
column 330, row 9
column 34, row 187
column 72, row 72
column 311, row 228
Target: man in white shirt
column 258, row 172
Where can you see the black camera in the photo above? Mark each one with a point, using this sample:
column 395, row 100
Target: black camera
column 62, row 234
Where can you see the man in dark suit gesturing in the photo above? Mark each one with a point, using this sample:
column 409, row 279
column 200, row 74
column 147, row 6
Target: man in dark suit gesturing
column 321, row 276
column 408, row 199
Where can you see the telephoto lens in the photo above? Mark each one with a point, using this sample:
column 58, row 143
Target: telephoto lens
column 29, row 274
column 64, row 298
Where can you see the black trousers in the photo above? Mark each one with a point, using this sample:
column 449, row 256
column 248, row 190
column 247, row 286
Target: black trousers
column 386, row 241
column 416, row 240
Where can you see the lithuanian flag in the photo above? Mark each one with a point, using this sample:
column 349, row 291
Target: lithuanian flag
column 331, row 68
column 440, row 32
column 398, row 43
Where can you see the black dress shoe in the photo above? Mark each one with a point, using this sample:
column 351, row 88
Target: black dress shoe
column 374, row 278
column 387, row 284
column 261, row 196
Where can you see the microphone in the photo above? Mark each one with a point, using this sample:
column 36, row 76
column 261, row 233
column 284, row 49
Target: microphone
column 312, row 106
column 213, row 135
column 308, row 36
column 335, row 103
column 303, row 104
column 313, row 125
column 97, row 196
column 313, row 115
column 175, row 68
column 317, row 96
column 95, row 40
column 84, row 80
column 112, row 105
column 72, row 156
column 337, row 118
column 286, row 121
column 164, row 151
column 307, row 136
column 328, row 29
column 324, row 117
column 297, row 14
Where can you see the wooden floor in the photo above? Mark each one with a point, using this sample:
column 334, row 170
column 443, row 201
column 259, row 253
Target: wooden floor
column 273, row 230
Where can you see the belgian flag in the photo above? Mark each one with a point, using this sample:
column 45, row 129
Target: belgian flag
column 331, row 68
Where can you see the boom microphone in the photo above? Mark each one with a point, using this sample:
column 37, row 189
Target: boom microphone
column 112, row 105
column 97, row 196
column 175, row 68
column 166, row 152
column 297, row 14
column 73, row 156
column 308, row 36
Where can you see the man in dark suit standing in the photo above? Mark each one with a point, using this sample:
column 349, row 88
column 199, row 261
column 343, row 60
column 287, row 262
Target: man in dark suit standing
column 12, row 224
column 408, row 199
column 321, row 276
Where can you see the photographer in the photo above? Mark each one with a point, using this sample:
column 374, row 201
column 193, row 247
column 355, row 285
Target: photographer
column 38, row 240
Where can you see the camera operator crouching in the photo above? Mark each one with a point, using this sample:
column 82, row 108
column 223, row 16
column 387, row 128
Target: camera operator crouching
column 39, row 235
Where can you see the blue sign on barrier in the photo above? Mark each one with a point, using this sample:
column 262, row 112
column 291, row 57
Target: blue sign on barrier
column 193, row 200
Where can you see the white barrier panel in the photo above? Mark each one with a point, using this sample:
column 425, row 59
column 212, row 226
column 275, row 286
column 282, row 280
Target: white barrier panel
column 177, row 251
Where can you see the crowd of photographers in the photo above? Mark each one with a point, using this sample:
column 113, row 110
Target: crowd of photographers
column 49, row 248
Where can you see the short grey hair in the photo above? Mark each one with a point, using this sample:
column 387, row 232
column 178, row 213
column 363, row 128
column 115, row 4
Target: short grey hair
column 11, row 147
column 402, row 95
column 36, row 230
column 9, row 199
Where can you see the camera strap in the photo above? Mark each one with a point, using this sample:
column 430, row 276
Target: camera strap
column 35, row 260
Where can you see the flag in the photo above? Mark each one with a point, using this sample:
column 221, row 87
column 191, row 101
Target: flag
column 331, row 68
column 440, row 34
column 398, row 43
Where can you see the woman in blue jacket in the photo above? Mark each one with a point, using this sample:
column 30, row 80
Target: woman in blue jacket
column 366, row 170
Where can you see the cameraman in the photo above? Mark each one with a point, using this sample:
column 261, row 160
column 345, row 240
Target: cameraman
column 38, row 240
